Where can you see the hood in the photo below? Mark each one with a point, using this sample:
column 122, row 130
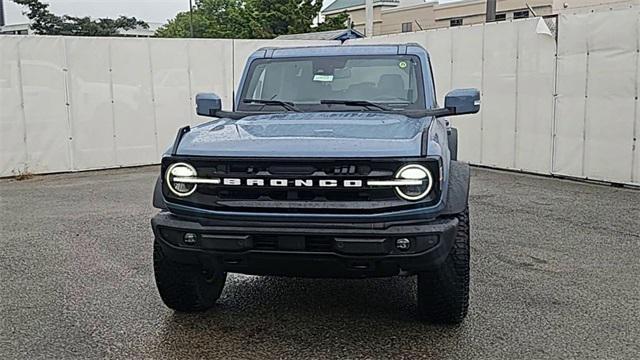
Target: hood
column 321, row 134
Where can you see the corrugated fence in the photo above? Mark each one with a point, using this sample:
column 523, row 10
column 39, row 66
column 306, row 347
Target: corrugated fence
column 567, row 108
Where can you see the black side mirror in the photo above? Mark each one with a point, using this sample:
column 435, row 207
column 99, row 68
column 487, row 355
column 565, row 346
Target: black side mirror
column 462, row 101
column 208, row 104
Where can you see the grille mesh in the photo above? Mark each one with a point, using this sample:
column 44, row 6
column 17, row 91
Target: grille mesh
column 292, row 199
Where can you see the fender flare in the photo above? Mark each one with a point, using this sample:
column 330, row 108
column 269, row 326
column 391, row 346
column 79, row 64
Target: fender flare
column 458, row 190
column 158, row 199
column 453, row 143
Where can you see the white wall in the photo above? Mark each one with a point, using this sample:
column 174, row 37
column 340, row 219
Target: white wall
column 575, row 115
column 87, row 103
column 72, row 103
column 513, row 65
column 597, row 107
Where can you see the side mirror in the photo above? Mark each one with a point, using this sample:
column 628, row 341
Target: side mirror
column 208, row 104
column 462, row 101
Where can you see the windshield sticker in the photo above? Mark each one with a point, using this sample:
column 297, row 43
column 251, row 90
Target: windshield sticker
column 323, row 78
column 402, row 64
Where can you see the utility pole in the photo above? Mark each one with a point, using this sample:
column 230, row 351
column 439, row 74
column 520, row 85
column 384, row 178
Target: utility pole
column 1, row 13
column 491, row 11
column 190, row 16
column 368, row 29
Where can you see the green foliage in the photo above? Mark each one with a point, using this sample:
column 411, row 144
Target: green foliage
column 249, row 19
column 46, row 23
column 335, row 22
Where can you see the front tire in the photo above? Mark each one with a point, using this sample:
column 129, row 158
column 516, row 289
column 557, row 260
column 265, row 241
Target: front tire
column 443, row 294
column 185, row 288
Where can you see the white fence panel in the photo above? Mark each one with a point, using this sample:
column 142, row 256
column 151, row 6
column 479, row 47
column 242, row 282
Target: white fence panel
column 43, row 74
column 171, row 87
column 636, row 136
column 499, row 94
column 611, row 85
column 438, row 43
column 13, row 152
column 535, row 99
column 91, row 103
column 133, row 107
column 211, row 65
column 571, row 93
column 597, row 95
column 466, row 72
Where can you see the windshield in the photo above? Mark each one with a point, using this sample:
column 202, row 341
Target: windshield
column 341, row 82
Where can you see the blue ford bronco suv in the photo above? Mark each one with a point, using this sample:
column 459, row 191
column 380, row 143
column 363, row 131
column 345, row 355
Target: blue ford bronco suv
column 336, row 161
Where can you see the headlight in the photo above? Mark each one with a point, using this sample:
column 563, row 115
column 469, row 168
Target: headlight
column 423, row 182
column 179, row 178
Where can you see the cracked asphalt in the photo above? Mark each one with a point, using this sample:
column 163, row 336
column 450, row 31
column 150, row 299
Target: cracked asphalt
column 555, row 274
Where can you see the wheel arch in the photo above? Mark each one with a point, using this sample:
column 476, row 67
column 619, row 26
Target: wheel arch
column 458, row 189
column 158, row 199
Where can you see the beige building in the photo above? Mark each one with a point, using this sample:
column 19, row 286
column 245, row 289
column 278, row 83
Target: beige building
column 394, row 16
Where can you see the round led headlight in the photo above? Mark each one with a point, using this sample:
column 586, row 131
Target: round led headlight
column 177, row 178
column 423, row 182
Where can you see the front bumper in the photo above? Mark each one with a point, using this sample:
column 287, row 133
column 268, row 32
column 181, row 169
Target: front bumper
column 306, row 250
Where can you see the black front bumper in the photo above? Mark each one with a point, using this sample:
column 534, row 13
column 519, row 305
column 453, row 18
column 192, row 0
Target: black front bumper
column 306, row 250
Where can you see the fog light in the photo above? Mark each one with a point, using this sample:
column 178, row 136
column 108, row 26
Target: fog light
column 190, row 238
column 403, row 244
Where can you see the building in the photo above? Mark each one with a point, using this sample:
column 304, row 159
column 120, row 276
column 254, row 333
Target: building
column 16, row 29
column 25, row 29
column 357, row 14
column 142, row 32
column 394, row 16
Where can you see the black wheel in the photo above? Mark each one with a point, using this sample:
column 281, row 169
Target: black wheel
column 453, row 143
column 443, row 294
column 185, row 288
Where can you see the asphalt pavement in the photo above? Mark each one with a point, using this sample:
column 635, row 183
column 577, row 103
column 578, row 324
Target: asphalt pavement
column 555, row 274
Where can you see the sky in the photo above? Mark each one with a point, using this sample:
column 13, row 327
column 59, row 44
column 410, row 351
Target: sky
column 147, row 10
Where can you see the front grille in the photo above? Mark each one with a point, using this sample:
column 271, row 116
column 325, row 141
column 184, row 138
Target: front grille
column 297, row 194
column 265, row 243
column 319, row 243
column 307, row 243
column 304, row 199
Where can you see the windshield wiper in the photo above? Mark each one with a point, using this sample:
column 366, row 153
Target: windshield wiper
column 363, row 103
column 285, row 104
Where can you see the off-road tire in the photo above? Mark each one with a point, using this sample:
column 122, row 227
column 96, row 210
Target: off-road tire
column 443, row 294
column 185, row 288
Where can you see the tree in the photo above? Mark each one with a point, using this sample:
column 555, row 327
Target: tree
column 250, row 19
column 46, row 23
column 335, row 22
column 211, row 18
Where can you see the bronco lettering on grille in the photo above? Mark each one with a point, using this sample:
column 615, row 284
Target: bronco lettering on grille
column 293, row 182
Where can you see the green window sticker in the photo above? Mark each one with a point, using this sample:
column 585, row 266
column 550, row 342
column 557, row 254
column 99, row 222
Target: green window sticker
column 323, row 78
column 402, row 64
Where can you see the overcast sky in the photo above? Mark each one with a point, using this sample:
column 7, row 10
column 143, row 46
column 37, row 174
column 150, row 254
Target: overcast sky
column 147, row 10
